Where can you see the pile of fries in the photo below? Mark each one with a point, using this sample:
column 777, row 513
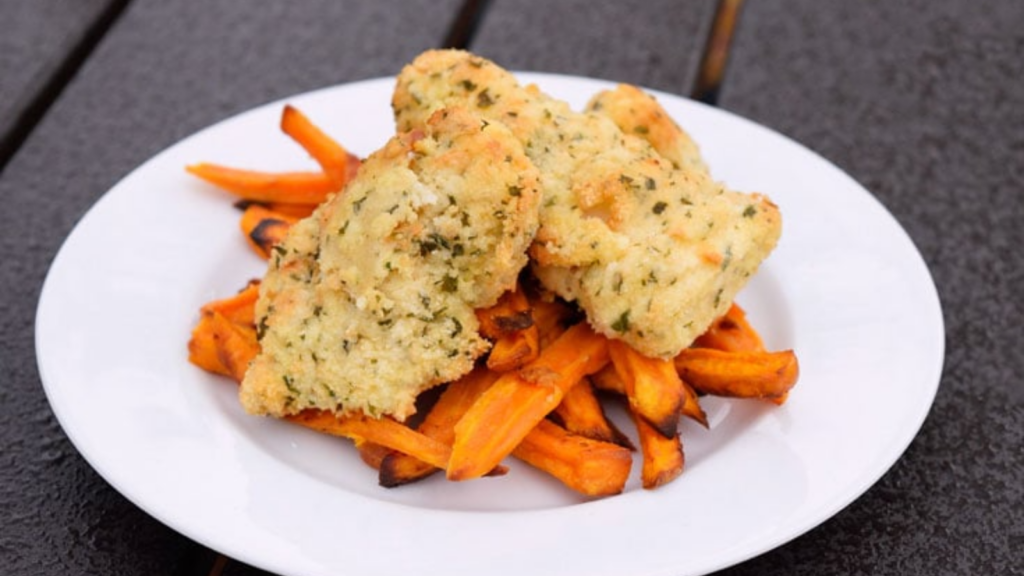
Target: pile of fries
column 540, row 394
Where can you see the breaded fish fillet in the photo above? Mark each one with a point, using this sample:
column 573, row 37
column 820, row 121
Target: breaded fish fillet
column 650, row 247
column 370, row 300
column 638, row 113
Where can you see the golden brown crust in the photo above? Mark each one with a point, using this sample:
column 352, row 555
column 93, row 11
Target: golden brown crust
column 637, row 112
column 370, row 300
column 652, row 248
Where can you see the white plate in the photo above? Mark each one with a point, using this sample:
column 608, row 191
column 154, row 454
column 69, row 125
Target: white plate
column 846, row 289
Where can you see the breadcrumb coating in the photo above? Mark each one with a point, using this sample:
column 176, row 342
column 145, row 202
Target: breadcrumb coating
column 632, row 226
column 370, row 301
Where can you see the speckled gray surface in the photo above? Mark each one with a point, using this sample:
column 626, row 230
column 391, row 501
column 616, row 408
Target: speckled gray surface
column 165, row 70
column 656, row 43
column 35, row 39
column 923, row 103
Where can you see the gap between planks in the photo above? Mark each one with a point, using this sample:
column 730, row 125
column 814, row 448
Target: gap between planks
column 34, row 112
column 716, row 52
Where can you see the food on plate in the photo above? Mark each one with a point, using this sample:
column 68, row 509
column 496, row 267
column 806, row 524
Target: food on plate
column 265, row 228
column 637, row 112
column 535, row 263
column 370, row 301
column 651, row 251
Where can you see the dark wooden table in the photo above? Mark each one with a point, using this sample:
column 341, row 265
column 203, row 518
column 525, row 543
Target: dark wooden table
column 922, row 102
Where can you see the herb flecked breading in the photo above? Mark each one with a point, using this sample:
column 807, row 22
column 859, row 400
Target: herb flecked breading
column 371, row 300
column 632, row 226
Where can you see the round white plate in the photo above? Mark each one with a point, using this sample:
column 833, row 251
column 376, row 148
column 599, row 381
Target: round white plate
column 845, row 288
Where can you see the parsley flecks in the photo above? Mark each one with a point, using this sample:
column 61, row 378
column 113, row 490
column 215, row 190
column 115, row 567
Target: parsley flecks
column 261, row 328
column 651, row 183
column 450, row 284
column 621, row 325
column 659, row 207
column 641, row 129
column 515, row 191
column 357, row 205
column 468, row 85
column 750, row 211
column 289, row 383
column 484, row 99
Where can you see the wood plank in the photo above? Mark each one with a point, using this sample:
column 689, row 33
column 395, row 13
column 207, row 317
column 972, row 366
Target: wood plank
column 164, row 70
column 657, row 43
column 37, row 41
column 920, row 102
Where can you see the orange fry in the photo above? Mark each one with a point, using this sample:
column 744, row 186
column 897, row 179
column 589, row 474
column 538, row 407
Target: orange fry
column 511, row 313
column 264, row 229
column 691, row 407
column 550, row 319
column 731, row 333
column 512, row 406
column 589, row 466
column 767, row 375
column 439, row 424
column 328, row 153
column 663, row 457
column 292, row 210
column 240, row 308
column 607, row 379
column 221, row 346
column 202, row 347
column 580, row 412
column 290, row 187
column 653, row 387
column 384, row 431
column 373, row 454
column 514, row 350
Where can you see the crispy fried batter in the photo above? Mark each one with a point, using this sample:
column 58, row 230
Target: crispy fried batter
column 637, row 112
column 652, row 248
column 370, row 300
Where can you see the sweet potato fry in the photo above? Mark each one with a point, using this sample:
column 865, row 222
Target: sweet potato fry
column 202, row 347
column 240, row 308
column 509, row 323
column 233, row 345
column 439, row 424
column 373, row 454
column 607, row 379
column 264, row 229
column 653, row 387
column 767, row 375
column 589, row 466
column 328, row 153
column 383, row 431
column 512, row 406
column 296, row 211
column 511, row 313
column 514, row 350
column 580, row 412
column 550, row 318
column 663, row 457
column 731, row 333
column 691, row 407
column 289, row 187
